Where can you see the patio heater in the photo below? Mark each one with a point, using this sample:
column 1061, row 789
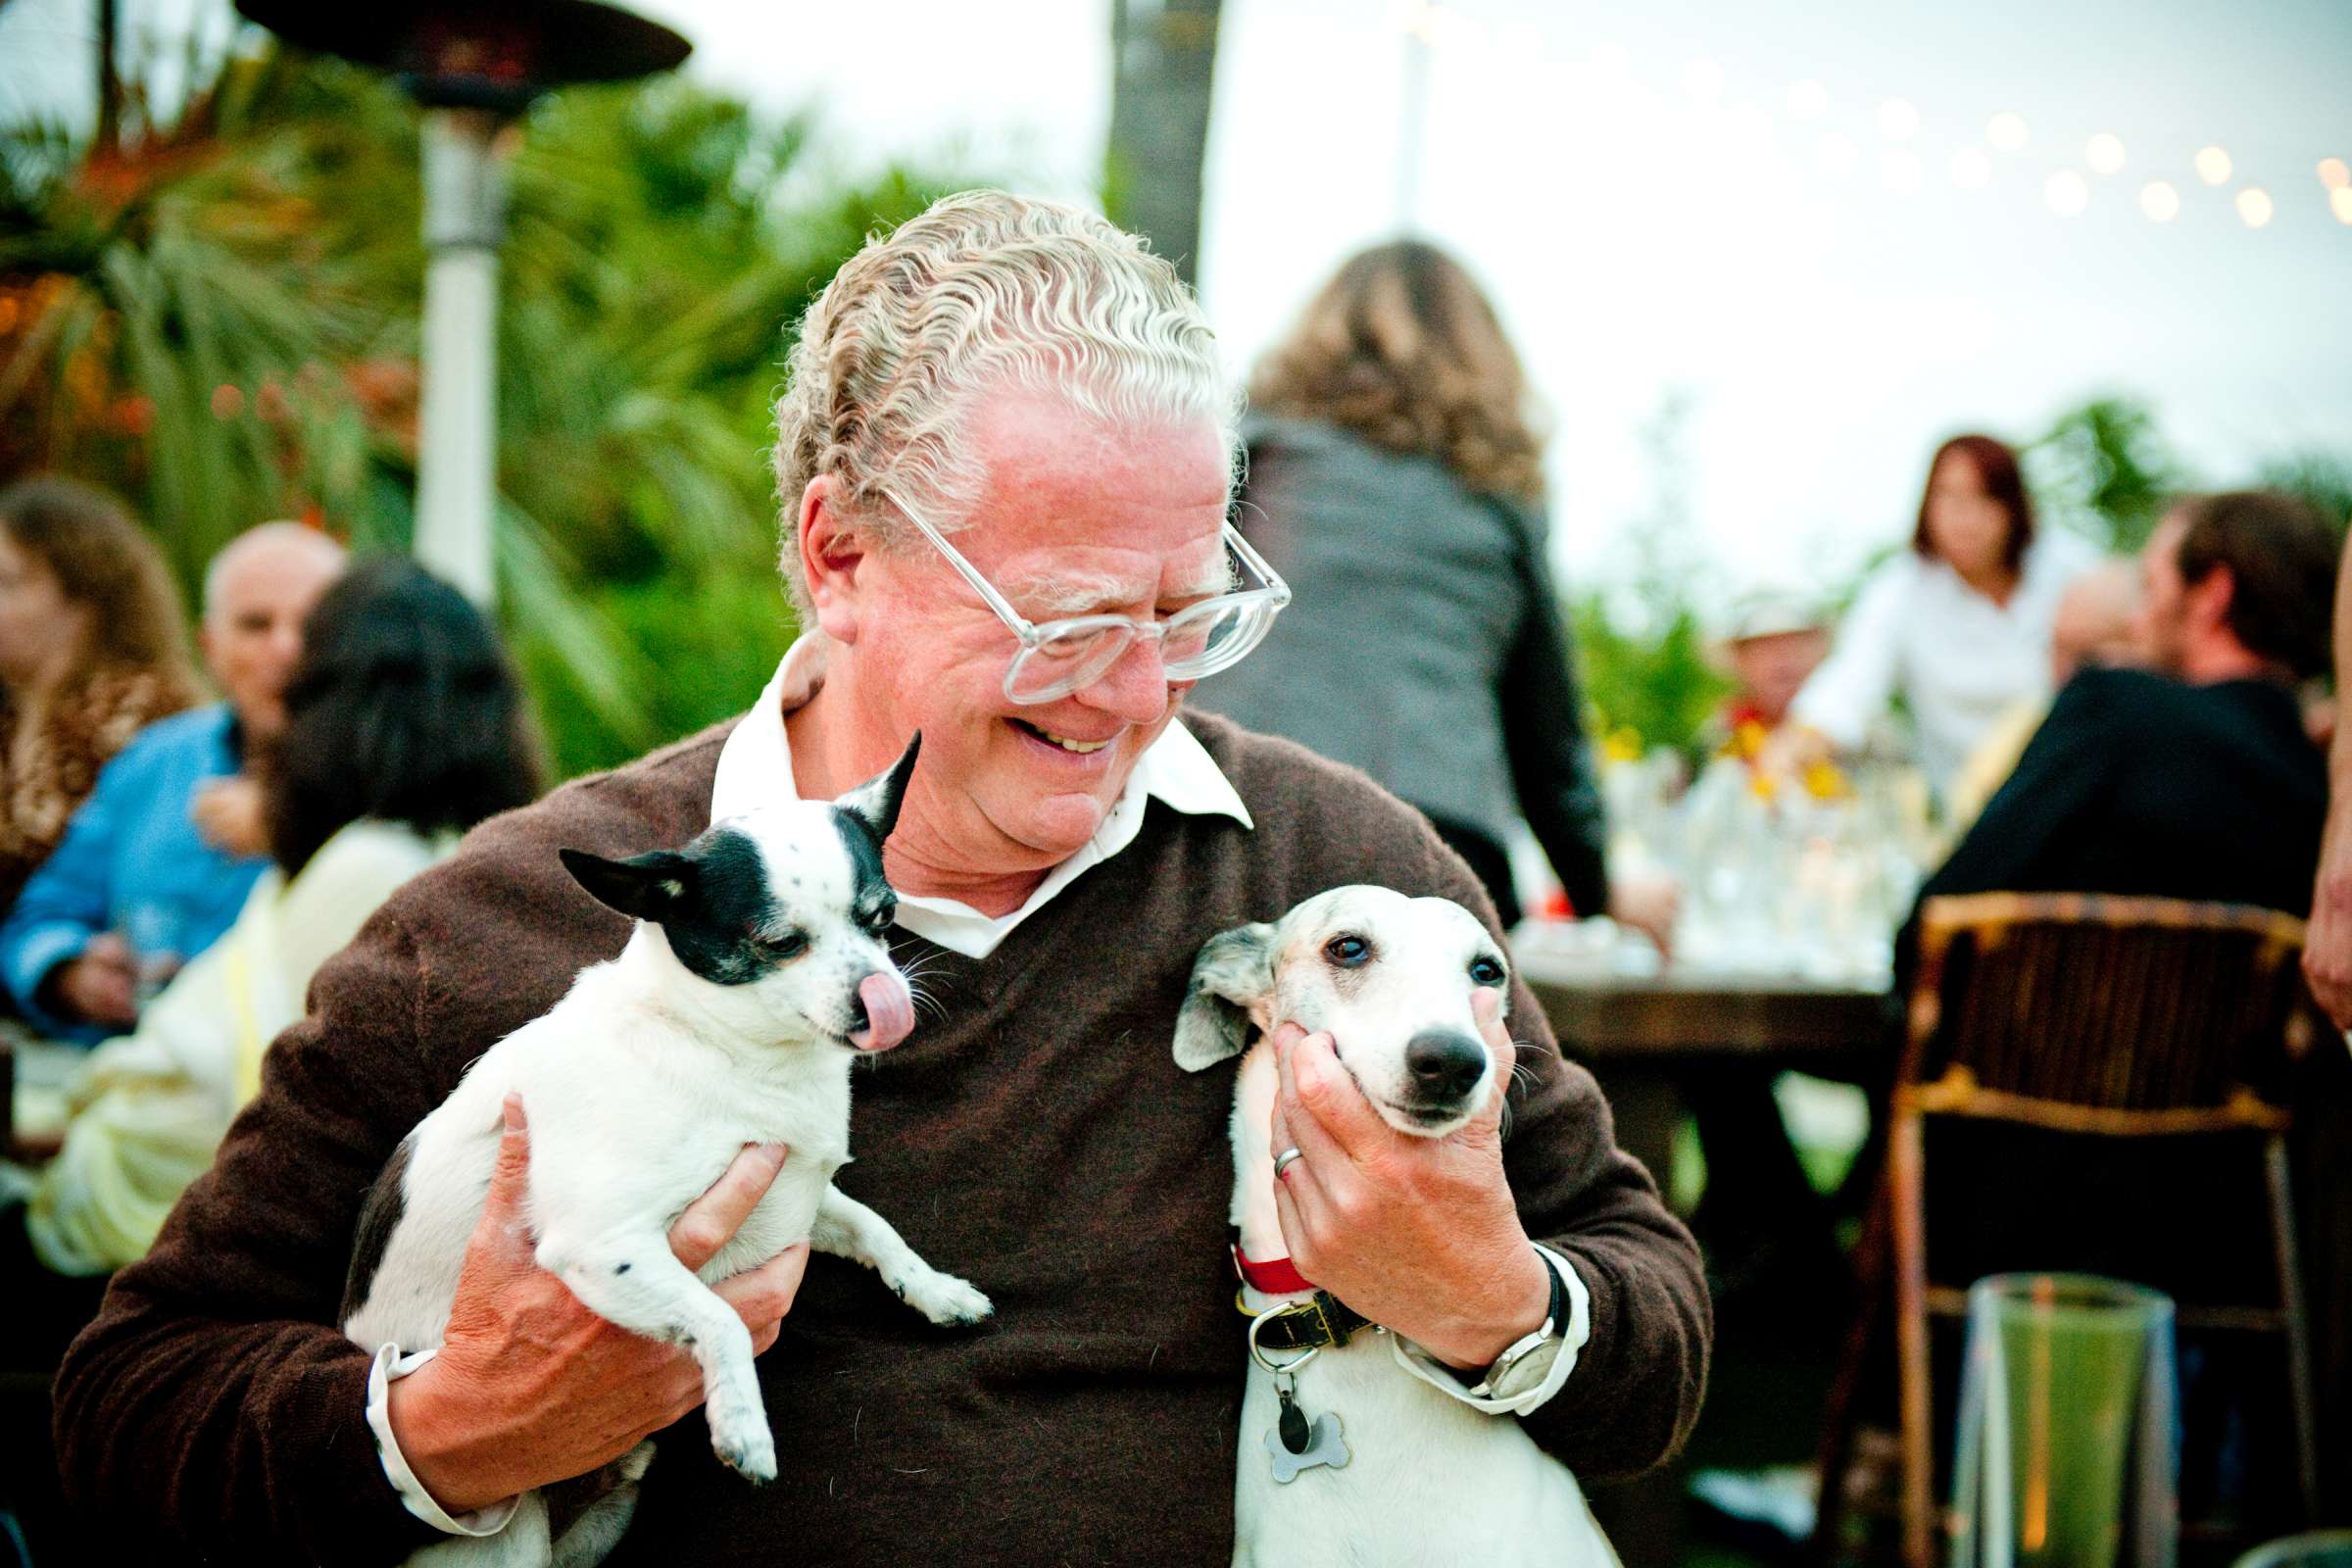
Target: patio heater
column 473, row 68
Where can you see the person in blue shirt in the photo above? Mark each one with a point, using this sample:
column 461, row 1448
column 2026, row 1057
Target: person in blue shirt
column 158, row 860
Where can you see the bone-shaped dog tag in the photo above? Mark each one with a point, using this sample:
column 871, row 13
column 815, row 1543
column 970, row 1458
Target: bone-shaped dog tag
column 1324, row 1446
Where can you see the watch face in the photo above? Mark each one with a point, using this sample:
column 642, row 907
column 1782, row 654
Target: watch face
column 1526, row 1371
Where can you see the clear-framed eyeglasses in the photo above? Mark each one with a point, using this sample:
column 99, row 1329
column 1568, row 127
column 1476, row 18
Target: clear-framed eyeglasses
column 1057, row 657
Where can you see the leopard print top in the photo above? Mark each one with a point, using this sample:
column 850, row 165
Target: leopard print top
column 49, row 771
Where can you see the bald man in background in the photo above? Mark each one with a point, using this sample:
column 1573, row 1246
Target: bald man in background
column 157, row 863
column 2096, row 624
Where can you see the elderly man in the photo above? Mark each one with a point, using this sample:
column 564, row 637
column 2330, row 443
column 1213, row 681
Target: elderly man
column 1005, row 413
column 159, row 859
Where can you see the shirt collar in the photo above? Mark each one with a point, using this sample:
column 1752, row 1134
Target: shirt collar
column 754, row 766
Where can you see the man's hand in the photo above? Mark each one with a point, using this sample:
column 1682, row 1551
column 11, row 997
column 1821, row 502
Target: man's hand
column 1648, row 905
column 96, row 987
column 530, row 1387
column 1418, row 1234
column 2327, row 943
column 229, row 814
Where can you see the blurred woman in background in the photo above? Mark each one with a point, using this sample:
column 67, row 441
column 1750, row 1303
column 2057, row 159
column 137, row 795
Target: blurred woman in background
column 93, row 650
column 405, row 727
column 1396, row 481
column 1958, row 626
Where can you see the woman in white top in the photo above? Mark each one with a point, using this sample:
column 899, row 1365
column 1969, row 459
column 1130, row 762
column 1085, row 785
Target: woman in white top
column 404, row 728
column 1959, row 625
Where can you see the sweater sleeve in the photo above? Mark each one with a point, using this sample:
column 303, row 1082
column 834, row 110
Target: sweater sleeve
column 1543, row 731
column 1635, row 1394
column 213, row 1404
column 1854, row 683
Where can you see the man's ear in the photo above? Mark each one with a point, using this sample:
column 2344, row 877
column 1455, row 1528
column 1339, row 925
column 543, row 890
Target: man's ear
column 655, row 886
column 1233, row 971
column 876, row 802
column 2213, row 595
column 831, row 551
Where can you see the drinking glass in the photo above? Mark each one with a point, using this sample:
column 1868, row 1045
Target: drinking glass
column 154, row 933
column 2068, row 1448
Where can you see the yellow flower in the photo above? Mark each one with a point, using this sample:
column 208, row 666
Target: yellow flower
column 1827, row 781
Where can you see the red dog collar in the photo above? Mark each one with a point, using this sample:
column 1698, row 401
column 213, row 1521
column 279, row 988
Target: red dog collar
column 1276, row 1276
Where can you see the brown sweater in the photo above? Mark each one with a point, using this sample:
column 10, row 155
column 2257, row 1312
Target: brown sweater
column 1039, row 1139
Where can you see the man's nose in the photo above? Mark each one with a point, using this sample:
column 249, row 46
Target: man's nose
column 286, row 642
column 1135, row 688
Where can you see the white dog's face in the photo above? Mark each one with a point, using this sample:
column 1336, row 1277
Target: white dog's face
column 1390, row 978
column 784, row 909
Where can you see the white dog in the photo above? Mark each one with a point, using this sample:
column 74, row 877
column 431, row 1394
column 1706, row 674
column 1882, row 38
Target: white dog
column 1348, row 1458
column 754, row 974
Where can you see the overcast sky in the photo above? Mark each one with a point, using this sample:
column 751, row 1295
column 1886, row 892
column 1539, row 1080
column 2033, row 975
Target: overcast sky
column 1708, row 196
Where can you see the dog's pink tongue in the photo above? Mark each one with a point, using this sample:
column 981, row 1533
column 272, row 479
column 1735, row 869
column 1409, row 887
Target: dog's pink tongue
column 889, row 1012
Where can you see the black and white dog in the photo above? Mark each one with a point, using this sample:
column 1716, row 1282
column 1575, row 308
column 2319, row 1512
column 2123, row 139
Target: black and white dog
column 756, row 972
column 1389, row 1470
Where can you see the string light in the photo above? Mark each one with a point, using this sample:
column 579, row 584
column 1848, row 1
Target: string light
column 1899, row 120
column 2339, row 202
column 2160, row 200
column 2104, row 153
column 2333, row 173
column 2006, row 132
column 2254, row 206
column 1808, row 100
column 2213, row 165
column 2067, row 193
column 1971, row 170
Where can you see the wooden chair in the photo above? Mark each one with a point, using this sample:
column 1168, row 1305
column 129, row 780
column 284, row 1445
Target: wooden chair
column 2081, row 1014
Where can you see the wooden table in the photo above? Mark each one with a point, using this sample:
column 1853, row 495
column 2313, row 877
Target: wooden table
column 1645, row 1037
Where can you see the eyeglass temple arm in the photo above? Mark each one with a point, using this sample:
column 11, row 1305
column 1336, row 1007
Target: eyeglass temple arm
column 969, row 573
column 1257, row 564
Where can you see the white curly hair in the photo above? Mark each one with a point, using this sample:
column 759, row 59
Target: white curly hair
column 984, row 289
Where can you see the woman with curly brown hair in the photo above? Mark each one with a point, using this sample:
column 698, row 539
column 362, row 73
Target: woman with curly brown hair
column 93, row 650
column 1396, row 482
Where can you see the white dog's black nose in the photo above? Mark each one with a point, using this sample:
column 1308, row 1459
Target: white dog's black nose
column 1446, row 1063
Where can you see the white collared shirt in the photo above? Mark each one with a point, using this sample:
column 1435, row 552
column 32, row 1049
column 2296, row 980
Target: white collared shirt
column 756, row 766
column 1960, row 661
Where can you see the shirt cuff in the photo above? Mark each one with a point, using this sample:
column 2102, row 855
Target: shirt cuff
column 391, row 1364
column 1434, row 1372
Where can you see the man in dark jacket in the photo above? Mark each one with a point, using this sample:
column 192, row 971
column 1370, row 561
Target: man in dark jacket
column 2196, row 779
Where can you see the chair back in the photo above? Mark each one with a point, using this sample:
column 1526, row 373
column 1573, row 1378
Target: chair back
column 2100, row 1014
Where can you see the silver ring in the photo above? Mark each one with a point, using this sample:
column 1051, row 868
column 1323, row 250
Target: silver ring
column 1281, row 1161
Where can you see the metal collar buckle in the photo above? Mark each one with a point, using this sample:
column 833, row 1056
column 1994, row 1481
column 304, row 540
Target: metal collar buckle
column 1321, row 1322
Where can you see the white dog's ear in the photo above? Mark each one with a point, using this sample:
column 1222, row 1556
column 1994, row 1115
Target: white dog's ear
column 643, row 887
column 876, row 802
column 1234, row 969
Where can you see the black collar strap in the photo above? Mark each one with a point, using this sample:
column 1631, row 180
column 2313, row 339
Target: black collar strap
column 1321, row 1322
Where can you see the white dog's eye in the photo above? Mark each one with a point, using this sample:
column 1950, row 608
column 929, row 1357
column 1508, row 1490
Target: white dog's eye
column 1347, row 950
column 791, row 945
column 1485, row 971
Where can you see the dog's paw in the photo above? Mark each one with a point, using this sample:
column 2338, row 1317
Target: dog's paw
column 749, row 1448
column 944, row 1298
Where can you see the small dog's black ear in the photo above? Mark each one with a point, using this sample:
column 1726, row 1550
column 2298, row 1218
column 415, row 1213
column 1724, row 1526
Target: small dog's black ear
column 1234, row 969
column 643, row 887
column 876, row 802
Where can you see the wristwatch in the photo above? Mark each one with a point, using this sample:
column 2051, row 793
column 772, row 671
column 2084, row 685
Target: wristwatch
column 1526, row 1362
